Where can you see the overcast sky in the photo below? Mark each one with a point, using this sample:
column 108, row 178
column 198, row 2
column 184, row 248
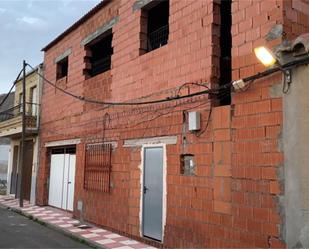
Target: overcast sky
column 26, row 26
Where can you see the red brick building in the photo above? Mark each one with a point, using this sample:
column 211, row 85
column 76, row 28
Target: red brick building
column 214, row 186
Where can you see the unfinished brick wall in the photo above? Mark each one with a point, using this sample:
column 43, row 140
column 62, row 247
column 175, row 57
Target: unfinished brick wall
column 234, row 198
column 188, row 57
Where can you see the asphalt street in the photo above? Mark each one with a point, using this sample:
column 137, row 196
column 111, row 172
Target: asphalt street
column 17, row 231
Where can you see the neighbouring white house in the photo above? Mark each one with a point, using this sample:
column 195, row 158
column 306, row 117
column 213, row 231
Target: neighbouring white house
column 5, row 142
column 11, row 128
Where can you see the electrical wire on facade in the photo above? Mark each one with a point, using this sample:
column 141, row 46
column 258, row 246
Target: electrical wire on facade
column 93, row 101
column 130, row 125
column 173, row 98
column 220, row 92
column 145, row 114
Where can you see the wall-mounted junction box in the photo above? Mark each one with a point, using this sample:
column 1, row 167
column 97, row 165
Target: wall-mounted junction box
column 194, row 121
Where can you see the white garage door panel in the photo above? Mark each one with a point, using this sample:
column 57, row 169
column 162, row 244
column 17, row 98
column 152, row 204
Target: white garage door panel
column 71, row 182
column 65, row 181
column 56, row 180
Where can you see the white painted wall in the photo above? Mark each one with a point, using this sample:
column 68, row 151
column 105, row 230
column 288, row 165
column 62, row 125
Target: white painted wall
column 34, row 169
column 10, row 164
column 4, row 158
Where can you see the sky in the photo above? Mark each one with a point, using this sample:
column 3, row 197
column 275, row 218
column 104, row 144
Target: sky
column 26, row 26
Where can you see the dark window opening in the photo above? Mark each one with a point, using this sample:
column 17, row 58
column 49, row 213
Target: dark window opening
column 61, row 150
column 62, row 68
column 155, row 25
column 187, row 164
column 225, row 47
column 100, row 54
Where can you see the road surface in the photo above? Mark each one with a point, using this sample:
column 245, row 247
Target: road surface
column 17, row 231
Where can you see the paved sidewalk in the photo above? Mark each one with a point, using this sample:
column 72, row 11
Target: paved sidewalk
column 64, row 222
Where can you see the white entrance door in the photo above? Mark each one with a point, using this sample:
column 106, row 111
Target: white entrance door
column 56, row 180
column 62, row 180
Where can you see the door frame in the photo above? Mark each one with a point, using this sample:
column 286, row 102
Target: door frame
column 164, row 178
column 65, row 152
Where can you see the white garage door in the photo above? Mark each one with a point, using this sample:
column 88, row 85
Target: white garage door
column 62, row 180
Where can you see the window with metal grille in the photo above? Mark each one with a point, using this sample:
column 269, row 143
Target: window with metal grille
column 97, row 167
column 100, row 53
column 154, row 25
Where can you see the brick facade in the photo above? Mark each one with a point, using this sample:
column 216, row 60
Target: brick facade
column 234, row 199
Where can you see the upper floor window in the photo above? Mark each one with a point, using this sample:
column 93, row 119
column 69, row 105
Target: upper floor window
column 20, row 102
column 99, row 54
column 155, row 25
column 62, row 68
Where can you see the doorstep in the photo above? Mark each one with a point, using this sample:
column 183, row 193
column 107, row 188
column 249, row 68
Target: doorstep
column 63, row 222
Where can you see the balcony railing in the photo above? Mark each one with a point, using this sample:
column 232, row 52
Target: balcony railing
column 16, row 111
column 158, row 38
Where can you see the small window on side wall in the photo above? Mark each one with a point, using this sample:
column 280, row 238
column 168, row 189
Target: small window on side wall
column 62, row 68
column 99, row 54
column 187, row 164
column 154, row 25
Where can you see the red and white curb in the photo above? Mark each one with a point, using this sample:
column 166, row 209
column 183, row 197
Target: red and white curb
column 63, row 221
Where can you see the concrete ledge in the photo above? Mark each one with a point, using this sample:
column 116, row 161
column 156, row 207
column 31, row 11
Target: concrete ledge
column 152, row 140
column 99, row 31
column 62, row 143
column 63, row 55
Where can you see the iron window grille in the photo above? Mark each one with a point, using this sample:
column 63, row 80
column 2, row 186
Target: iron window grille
column 99, row 54
column 97, row 167
column 158, row 38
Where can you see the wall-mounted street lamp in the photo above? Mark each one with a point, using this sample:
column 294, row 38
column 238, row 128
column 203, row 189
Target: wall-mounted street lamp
column 265, row 56
column 268, row 59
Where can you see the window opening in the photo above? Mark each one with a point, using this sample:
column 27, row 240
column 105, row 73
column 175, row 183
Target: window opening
column 225, row 47
column 62, row 68
column 155, row 24
column 100, row 54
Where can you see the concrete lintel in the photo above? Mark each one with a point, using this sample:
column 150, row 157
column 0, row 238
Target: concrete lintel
column 106, row 26
column 63, row 55
column 153, row 140
column 140, row 4
column 63, row 143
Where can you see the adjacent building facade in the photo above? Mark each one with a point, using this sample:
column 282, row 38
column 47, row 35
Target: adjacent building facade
column 5, row 142
column 183, row 172
column 11, row 128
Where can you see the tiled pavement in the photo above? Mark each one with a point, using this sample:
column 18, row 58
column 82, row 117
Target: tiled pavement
column 64, row 221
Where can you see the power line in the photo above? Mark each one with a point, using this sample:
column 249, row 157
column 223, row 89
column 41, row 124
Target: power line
column 82, row 98
column 14, row 83
column 208, row 91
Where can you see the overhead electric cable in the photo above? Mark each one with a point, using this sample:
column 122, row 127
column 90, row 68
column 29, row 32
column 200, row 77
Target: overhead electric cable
column 8, row 94
column 208, row 91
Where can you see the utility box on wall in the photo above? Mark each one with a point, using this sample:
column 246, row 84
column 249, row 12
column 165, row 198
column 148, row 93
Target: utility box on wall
column 194, row 121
